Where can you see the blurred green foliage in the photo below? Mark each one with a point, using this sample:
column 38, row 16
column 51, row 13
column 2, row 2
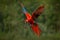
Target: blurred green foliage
column 12, row 25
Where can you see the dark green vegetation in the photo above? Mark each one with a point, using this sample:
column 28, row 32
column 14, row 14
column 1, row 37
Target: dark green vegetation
column 12, row 25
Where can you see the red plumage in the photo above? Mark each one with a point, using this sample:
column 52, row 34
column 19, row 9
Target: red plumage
column 34, row 26
column 37, row 12
column 30, row 19
column 36, row 29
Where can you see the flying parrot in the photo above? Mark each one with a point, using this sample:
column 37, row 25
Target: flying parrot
column 31, row 18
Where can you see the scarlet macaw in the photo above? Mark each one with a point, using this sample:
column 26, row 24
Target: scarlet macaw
column 31, row 18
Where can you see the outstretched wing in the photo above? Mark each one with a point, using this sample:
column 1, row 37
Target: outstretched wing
column 36, row 29
column 37, row 12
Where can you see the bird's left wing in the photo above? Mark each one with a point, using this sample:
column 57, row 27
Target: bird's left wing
column 37, row 12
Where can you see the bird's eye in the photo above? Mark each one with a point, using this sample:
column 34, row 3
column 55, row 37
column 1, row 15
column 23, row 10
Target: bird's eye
column 26, row 20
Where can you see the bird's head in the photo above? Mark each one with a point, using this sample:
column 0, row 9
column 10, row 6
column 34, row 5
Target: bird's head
column 26, row 21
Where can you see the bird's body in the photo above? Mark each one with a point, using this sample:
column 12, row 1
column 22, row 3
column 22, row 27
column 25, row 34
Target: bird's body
column 34, row 26
column 31, row 18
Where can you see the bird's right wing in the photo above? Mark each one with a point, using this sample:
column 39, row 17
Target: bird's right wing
column 36, row 29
